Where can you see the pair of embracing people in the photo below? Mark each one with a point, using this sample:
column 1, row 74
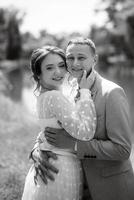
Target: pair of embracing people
column 85, row 129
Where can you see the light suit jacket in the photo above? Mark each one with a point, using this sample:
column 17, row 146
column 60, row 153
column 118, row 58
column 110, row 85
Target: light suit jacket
column 105, row 158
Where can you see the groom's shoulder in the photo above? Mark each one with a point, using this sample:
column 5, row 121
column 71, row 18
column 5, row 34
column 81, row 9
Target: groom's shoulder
column 107, row 85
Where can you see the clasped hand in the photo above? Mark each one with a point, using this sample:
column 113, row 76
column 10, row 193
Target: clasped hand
column 58, row 138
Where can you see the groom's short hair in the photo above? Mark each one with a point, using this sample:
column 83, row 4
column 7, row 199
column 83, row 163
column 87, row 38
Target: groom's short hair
column 83, row 41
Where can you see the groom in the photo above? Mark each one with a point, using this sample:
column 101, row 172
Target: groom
column 105, row 159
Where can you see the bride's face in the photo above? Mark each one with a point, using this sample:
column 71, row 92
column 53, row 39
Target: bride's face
column 53, row 70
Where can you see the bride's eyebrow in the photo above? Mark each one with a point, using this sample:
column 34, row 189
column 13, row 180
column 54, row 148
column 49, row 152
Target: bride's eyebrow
column 49, row 65
column 61, row 62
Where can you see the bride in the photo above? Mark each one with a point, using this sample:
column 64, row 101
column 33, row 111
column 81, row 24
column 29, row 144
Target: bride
column 57, row 107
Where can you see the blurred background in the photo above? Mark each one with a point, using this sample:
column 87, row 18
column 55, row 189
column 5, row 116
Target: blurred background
column 26, row 25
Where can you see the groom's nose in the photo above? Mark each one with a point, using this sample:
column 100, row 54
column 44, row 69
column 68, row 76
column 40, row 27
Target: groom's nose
column 75, row 63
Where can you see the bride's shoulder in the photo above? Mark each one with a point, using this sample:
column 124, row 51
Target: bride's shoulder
column 50, row 95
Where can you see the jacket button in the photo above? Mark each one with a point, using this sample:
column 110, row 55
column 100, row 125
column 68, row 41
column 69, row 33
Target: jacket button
column 93, row 156
column 86, row 156
column 89, row 156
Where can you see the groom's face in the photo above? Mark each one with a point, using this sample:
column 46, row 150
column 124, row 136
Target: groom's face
column 79, row 57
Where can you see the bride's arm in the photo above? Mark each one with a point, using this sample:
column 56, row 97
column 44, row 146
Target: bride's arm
column 35, row 149
column 79, row 119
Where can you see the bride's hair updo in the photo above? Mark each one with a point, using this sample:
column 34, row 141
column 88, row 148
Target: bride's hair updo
column 38, row 55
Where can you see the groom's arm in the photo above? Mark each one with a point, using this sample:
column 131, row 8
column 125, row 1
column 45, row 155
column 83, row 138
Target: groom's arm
column 117, row 144
column 60, row 138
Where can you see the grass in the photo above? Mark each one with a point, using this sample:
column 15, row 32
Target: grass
column 17, row 132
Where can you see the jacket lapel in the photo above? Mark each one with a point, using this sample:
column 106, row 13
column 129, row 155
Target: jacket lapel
column 94, row 87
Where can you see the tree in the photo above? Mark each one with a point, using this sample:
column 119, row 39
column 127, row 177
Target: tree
column 14, row 44
column 10, row 24
column 3, row 32
column 120, row 25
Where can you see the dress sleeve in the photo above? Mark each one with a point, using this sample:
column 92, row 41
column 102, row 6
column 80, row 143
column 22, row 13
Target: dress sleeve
column 78, row 119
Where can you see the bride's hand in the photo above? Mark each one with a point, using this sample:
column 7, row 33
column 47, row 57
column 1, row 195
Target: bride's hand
column 84, row 83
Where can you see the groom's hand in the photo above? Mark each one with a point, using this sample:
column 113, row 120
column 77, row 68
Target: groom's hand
column 59, row 138
column 42, row 165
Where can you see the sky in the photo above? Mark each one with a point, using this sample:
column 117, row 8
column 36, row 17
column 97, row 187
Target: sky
column 57, row 16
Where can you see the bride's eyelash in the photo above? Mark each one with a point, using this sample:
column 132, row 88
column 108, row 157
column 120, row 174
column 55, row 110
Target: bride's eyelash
column 62, row 66
column 49, row 68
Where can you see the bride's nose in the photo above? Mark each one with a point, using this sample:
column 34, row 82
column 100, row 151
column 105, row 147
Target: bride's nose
column 57, row 71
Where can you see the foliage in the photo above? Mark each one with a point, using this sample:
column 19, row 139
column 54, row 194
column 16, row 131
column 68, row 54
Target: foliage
column 10, row 37
column 2, row 34
column 117, row 49
column 114, row 40
column 14, row 39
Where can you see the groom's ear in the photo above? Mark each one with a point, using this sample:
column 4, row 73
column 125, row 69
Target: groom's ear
column 96, row 57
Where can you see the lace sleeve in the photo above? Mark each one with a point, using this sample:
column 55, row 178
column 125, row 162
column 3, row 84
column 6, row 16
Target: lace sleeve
column 79, row 119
